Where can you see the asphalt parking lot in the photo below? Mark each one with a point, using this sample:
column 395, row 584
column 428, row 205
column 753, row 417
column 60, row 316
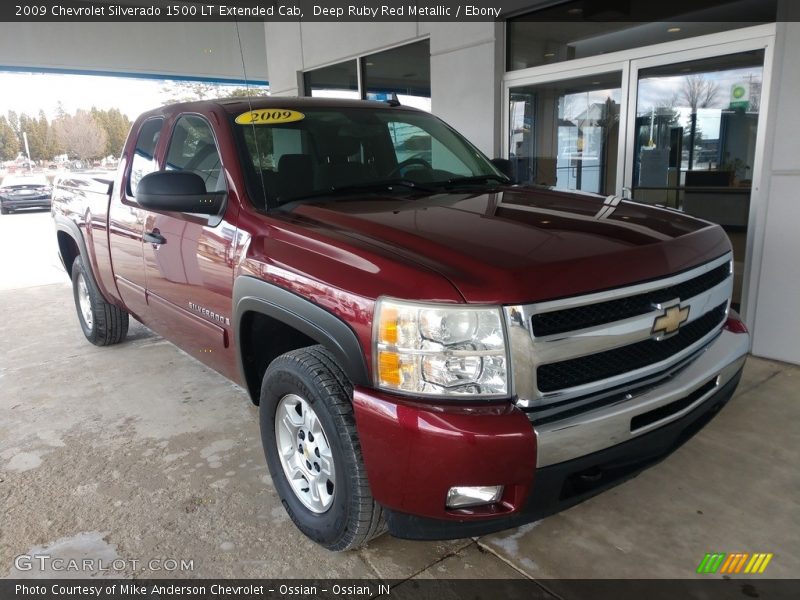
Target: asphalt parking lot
column 139, row 452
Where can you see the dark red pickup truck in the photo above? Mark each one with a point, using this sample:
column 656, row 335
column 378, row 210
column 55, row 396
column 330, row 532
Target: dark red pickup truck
column 433, row 349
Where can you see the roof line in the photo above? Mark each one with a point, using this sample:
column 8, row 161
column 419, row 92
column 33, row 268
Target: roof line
column 156, row 76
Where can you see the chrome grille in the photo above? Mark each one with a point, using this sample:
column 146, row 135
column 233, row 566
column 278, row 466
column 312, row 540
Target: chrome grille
column 574, row 348
column 561, row 321
column 602, row 365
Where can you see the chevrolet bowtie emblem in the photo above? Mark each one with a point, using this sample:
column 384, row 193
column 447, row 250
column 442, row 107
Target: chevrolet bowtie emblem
column 670, row 321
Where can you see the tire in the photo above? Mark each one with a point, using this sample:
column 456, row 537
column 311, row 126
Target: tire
column 4, row 210
column 102, row 323
column 345, row 516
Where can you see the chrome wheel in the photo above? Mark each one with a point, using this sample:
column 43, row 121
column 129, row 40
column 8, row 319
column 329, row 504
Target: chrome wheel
column 304, row 453
column 84, row 301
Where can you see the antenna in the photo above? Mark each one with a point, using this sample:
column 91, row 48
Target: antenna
column 250, row 107
column 393, row 101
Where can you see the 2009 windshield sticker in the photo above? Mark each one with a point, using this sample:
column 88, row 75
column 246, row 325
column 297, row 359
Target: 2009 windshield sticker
column 269, row 116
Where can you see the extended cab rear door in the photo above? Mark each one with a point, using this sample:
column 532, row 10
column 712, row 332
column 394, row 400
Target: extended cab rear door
column 188, row 257
column 126, row 220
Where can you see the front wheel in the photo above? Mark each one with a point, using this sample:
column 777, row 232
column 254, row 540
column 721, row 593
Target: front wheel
column 312, row 450
column 102, row 323
column 4, row 210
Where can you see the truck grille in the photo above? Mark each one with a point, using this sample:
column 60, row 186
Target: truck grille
column 602, row 365
column 571, row 319
column 569, row 352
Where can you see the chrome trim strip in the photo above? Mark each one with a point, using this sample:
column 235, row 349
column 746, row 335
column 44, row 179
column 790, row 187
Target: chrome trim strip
column 581, row 342
column 610, row 425
column 529, row 352
column 632, row 290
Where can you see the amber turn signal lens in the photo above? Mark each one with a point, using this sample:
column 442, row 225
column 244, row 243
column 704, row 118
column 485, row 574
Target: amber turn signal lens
column 389, row 368
column 388, row 326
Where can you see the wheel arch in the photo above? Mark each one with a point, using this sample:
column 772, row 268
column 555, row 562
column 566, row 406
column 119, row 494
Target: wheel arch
column 67, row 250
column 71, row 244
column 264, row 310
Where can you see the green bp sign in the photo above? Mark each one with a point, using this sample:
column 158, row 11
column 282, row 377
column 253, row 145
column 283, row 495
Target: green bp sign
column 740, row 96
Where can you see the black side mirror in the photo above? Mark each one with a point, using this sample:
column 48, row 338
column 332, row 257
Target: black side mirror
column 504, row 166
column 178, row 191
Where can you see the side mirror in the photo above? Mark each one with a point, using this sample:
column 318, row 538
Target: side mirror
column 504, row 166
column 178, row 191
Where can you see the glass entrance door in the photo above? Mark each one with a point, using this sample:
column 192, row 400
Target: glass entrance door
column 565, row 134
column 694, row 141
column 674, row 125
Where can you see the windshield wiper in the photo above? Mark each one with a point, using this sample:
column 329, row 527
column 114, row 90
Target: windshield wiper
column 367, row 186
column 457, row 181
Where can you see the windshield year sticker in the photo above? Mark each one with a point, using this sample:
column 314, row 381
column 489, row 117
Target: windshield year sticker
column 269, row 116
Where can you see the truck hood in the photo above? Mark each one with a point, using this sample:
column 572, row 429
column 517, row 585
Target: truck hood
column 524, row 244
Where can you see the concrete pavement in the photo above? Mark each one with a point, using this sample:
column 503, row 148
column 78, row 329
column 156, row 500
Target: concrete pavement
column 138, row 452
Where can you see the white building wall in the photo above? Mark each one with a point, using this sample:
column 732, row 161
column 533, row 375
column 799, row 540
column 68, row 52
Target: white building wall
column 465, row 64
column 206, row 50
column 775, row 293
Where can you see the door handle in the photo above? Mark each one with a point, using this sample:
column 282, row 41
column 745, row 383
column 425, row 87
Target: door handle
column 154, row 237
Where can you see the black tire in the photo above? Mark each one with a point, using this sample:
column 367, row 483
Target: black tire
column 4, row 210
column 353, row 517
column 108, row 323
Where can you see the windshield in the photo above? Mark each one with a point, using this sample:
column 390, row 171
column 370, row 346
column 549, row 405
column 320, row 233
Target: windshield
column 327, row 150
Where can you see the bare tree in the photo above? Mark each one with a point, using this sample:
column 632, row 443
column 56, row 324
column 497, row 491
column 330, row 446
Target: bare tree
column 81, row 136
column 699, row 92
column 188, row 91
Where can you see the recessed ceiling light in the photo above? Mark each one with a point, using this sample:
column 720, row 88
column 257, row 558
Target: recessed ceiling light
column 595, row 83
column 549, row 54
column 575, row 11
column 685, row 70
column 673, row 30
column 369, row 64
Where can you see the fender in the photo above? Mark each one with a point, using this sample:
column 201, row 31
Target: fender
column 71, row 227
column 251, row 294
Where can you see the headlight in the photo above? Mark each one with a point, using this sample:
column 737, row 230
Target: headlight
column 439, row 349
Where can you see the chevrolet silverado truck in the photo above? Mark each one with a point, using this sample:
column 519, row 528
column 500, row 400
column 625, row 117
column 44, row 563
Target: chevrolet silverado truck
column 434, row 350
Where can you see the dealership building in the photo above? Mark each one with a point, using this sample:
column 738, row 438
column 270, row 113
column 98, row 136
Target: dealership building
column 694, row 112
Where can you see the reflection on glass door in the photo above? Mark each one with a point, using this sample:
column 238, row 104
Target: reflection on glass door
column 695, row 141
column 565, row 134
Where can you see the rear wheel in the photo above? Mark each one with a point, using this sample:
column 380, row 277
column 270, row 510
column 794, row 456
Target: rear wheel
column 4, row 210
column 312, row 450
column 102, row 323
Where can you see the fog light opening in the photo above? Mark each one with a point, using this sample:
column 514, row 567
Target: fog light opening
column 479, row 495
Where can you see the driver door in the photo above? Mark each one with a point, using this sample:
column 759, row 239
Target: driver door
column 188, row 257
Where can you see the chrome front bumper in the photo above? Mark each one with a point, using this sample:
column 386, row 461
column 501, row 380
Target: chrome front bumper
column 610, row 425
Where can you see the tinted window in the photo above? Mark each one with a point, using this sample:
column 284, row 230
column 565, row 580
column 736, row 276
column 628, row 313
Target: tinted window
column 405, row 71
column 415, row 146
column 143, row 157
column 326, row 150
column 577, row 29
column 336, row 81
column 193, row 148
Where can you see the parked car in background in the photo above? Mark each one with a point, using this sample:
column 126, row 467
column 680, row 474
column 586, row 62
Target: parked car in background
column 24, row 191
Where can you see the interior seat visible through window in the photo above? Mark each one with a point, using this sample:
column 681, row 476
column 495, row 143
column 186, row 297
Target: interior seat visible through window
column 343, row 164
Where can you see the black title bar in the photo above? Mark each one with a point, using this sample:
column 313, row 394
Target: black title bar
column 387, row 10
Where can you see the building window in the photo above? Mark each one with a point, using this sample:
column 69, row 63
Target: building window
column 579, row 29
column 336, row 81
column 404, row 72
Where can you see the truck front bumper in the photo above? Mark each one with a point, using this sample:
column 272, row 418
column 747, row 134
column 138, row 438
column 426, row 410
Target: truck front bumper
column 415, row 452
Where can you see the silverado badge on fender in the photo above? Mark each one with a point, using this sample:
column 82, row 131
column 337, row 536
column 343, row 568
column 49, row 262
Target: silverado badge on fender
column 668, row 323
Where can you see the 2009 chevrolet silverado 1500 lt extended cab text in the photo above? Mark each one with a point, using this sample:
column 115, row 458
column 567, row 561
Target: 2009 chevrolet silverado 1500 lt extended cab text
column 433, row 349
